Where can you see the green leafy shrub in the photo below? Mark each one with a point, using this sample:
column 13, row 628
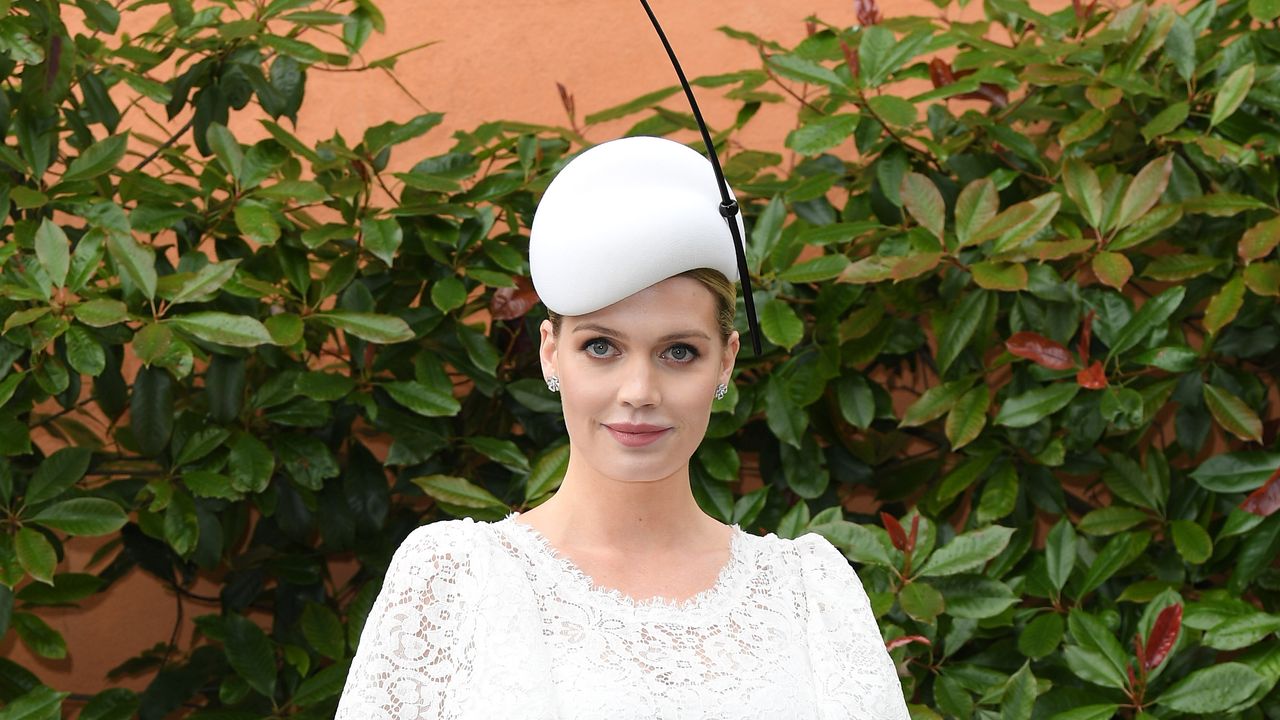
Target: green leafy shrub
column 1029, row 312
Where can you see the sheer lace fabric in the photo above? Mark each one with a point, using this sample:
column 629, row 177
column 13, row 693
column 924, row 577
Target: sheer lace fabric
column 486, row 620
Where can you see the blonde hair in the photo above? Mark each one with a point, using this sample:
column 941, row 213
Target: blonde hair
column 721, row 289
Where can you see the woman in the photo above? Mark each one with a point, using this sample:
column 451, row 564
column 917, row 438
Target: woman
column 618, row 597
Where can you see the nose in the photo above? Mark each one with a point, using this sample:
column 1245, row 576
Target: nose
column 638, row 384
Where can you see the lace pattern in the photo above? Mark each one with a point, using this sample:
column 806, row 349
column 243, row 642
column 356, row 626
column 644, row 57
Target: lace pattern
column 487, row 620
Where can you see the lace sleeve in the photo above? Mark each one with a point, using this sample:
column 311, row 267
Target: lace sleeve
column 415, row 652
column 853, row 674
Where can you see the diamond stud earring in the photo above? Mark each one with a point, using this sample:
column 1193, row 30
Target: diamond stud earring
column 721, row 391
column 553, row 384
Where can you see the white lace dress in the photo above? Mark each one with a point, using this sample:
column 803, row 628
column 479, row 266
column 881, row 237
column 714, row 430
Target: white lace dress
column 486, row 621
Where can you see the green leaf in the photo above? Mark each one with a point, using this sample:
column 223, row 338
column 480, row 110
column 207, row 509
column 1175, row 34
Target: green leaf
column 137, row 262
column 1144, row 192
column 1114, row 556
column 977, row 204
column 151, row 410
column 1236, row 472
column 785, row 418
column 858, row 543
column 1176, row 268
column 1083, row 127
column 934, row 403
column 1222, row 204
column 822, row 134
column 1259, row 240
column 1232, row 414
column 422, row 399
column 892, row 110
column 448, row 294
column 504, row 452
column 1000, row 276
column 924, row 202
column 1264, row 11
column 966, row 552
column 1019, row 223
column 1042, row 636
column 383, row 329
column 321, row 686
column 1112, row 269
column 819, row 269
column 111, row 704
column 382, row 237
column 35, row 554
column 1168, row 120
column 780, row 324
column 39, row 703
column 41, row 639
column 921, row 601
column 84, row 354
column 547, row 473
column 98, row 158
column 1033, row 406
column 874, row 51
column 968, row 417
column 1060, row 553
column 1154, row 314
column 1232, row 93
column 251, row 463
column 632, row 107
column 53, row 249
column 459, row 492
column 323, row 630
column 957, row 330
column 226, row 149
column 1225, row 305
column 1019, row 695
column 87, row 517
column 804, row 70
column 1212, row 689
column 57, row 473
column 1111, row 520
column 1192, row 541
column 1241, row 632
column 257, row 222
column 974, row 597
column 101, row 312
column 224, row 329
column 250, row 653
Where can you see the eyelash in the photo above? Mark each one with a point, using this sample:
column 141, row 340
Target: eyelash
column 693, row 352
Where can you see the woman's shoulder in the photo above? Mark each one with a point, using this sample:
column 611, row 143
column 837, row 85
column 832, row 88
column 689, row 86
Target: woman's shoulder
column 443, row 541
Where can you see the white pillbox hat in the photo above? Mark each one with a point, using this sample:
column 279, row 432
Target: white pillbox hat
column 625, row 215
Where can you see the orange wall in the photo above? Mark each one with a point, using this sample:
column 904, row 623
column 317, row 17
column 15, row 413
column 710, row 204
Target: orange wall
column 497, row 59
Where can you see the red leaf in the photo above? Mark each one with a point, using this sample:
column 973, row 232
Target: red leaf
column 1133, row 682
column 868, row 13
column 1092, row 377
column 1164, row 633
column 1086, row 336
column 850, row 58
column 907, row 640
column 940, row 72
column 810, row 28
column 512, row 303
column 1266, row 499
column 1040, row 350
column 915, row 530
column 1139, row 650
column 992, row 93
column 896, row 533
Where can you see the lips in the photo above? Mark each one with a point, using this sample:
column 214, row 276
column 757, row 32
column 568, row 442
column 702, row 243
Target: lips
column 636, row 435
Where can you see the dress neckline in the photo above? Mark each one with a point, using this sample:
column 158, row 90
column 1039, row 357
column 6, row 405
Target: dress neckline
column 574, row 575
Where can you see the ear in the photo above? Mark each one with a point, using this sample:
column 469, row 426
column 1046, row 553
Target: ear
column 547, row 349
column 730, row 357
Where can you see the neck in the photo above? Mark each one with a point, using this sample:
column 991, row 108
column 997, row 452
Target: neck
column 592, row 510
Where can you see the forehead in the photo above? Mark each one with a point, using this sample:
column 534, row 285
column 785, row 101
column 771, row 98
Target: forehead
column 676, row 303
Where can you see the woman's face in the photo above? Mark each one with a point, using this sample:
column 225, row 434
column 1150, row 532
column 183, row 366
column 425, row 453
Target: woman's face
column 637, row 379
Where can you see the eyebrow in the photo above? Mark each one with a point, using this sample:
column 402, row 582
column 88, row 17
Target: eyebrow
column 592, row 327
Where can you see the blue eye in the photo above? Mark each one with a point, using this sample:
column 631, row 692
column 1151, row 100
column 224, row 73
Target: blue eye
column 682, row 353
column 597, row 347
